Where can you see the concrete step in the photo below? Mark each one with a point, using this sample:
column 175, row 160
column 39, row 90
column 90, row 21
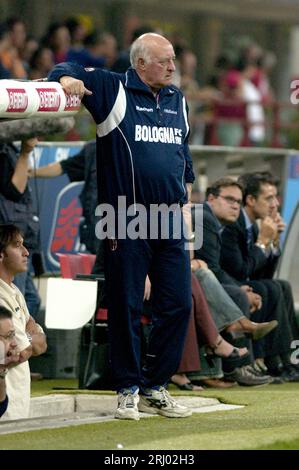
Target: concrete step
column 59, row 410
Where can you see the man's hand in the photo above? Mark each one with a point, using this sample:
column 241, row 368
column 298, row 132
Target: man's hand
column 13, row 358
column 280, row 223
column 255, row 301
column 147, row 289
column 246, row 288
column 198, row 264
column 73, row 86
column 38, row 338
column 28, row 145
column 268, row 231
column 189, row 191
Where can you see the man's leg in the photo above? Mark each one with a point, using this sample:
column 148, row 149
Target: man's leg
column 126, row 267
column 170, row 276
column 223, row 308
column 289, row 305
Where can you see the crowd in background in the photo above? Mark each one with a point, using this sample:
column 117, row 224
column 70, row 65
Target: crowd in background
column 235, row 93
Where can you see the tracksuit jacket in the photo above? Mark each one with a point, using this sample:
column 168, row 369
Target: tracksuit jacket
column 142, row 146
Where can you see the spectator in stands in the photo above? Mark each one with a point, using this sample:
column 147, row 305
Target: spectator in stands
column 8, row 353
column 224, row 199
column 118, row 104
column 250, row 254
column 198, row 97
column 31, row 45
column 89, row 54
column 41, row 62
column 4, row 44
column 77, row 30
column 12, row 57
column 252, row 97
column 58, row 39
column 122, row 63
column 16, row 206
column 30, row 338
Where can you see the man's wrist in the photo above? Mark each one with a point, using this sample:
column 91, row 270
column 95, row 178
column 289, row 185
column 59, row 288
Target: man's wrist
column 29, row 337
column 3, row 373
column 261, row 245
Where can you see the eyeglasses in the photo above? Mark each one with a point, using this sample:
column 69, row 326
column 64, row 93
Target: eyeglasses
column 9, row 335
column 231, row 200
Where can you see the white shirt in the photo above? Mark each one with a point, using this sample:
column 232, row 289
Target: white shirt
column 255, row 111
column 18, row 377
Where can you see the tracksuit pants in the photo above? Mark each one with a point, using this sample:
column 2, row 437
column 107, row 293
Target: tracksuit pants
column 127, row 262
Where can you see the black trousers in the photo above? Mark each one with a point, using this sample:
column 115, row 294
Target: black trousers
column 274, row 308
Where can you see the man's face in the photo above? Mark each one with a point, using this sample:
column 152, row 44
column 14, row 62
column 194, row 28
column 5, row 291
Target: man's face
column 265, row 203
column 7, row 339
column 158, row 71
column 15, row 257
column 226, row 206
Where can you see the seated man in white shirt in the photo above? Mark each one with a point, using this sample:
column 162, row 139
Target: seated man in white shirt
column 9, row 355
column 30, row 338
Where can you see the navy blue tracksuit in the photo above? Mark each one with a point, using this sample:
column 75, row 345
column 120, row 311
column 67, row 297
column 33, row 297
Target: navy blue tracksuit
column 142, row 154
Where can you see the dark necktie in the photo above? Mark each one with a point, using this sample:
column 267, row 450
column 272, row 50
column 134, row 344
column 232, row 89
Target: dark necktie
column 249, row 232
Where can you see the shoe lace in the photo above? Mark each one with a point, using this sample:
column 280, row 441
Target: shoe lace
column 246, row 371
column 166, row 398
column 127, row 401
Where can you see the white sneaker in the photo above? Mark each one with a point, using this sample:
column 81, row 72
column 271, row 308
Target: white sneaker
column 161, row 403
column 127, row 405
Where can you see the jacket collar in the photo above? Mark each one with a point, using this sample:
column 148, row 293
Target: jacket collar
column 134, row 82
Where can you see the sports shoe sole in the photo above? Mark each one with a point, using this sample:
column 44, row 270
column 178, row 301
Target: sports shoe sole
column 127, row 414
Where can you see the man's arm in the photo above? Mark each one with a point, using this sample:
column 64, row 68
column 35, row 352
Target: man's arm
column 48, row 171
column 20, row 175
column 210, row 250
column 74, row 86
column 3, row 396
column 36, row 336
column 2, row 387
column 237, row 259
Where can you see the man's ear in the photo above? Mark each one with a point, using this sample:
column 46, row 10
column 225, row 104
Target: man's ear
column 1, row 256
column 141, row 63
column 250, row 200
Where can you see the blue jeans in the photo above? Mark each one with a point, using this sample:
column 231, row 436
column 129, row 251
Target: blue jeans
column 223, row 309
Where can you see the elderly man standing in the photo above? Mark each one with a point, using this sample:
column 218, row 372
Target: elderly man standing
column 142, row 155
column 30, row 338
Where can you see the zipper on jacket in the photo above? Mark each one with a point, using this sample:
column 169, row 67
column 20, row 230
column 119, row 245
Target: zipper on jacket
column 158, row 108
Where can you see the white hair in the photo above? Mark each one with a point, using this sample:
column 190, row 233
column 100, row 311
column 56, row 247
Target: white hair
column 140, row 48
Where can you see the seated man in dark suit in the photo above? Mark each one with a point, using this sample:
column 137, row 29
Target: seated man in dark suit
column 224, row 199
column 250, row 254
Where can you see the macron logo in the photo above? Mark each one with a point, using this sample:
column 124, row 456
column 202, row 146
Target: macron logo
column 166, row 135
column 147, row 110
column 170, row 111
